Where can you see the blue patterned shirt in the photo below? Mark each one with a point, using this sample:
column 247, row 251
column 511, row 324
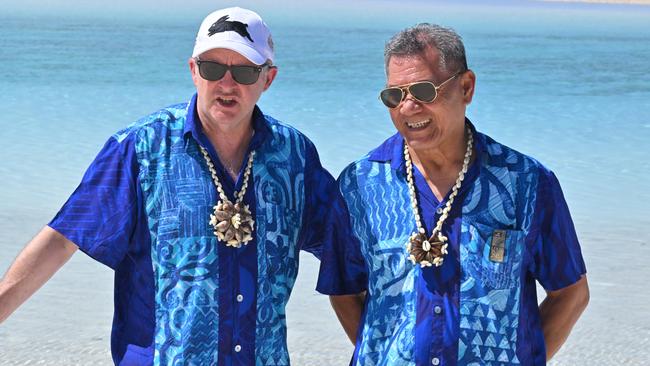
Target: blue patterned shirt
column 475, row 309
column 181, row 296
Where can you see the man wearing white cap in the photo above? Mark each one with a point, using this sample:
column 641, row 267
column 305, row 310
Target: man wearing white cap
column 201, row 209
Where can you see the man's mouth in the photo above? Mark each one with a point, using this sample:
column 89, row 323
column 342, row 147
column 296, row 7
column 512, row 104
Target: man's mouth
column 226, row 102
column 417, row 124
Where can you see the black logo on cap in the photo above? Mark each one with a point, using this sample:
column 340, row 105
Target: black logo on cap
column 224, row 25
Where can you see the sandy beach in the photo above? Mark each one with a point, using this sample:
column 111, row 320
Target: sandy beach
column 565, row 83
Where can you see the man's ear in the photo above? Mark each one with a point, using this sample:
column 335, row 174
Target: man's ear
column 467, row 83
column 194, row 70
column 270, row 76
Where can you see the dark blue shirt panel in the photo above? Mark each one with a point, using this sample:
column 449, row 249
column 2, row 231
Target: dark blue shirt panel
column 320, row 191
column 343, row 269
column 105, row 218
column 101, row 214
column 557, row 258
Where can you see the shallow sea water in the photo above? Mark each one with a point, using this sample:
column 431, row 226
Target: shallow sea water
column 567, row 85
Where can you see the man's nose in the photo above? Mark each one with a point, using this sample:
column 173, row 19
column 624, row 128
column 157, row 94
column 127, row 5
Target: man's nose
column 227, row 80
column 409, row 106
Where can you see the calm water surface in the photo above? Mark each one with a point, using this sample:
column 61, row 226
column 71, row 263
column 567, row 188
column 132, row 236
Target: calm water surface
column 567, row 85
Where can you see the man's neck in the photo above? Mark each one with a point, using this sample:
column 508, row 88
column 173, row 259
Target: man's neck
column 440, row 166
column 230, row 144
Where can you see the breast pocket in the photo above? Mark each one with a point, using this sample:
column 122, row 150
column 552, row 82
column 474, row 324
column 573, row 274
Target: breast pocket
column 492, row 255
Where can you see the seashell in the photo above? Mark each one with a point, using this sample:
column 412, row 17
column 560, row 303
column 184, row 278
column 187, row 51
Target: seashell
column 235, row 221
column 222, row 215
column 229, row 234
column 227, row 207
column 426, row 246
column 232, row 223
column 223, row 226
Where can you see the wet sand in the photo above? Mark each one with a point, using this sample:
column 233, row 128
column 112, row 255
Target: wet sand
column 68, row 321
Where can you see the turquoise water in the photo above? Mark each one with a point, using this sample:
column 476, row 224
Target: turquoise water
column 567, row 84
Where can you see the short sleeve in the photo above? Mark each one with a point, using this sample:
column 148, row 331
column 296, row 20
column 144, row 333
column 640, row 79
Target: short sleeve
column 557, row 259
column 320, row 187
column 343, row 269
column 101, row 215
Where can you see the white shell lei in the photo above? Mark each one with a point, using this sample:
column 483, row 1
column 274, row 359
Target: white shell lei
column 428, row 251
column 232, row 223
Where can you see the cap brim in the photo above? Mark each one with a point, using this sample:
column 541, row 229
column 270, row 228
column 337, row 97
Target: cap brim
column 241, row 48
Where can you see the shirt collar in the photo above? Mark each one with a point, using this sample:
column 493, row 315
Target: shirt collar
column 193, row 126
column 392, row 150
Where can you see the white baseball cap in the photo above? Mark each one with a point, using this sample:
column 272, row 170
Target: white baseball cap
column 237, row 29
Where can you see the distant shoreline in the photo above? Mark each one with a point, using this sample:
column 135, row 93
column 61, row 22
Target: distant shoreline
column 625, row 2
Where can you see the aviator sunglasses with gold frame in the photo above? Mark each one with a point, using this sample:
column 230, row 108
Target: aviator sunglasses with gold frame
column 422, row 91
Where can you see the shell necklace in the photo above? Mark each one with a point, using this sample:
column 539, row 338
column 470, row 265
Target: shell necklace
column 232, row 223
column 428, row 251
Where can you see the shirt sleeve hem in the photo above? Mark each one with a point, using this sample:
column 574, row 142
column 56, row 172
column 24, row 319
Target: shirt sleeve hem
column 350, row 289
column 566, row 282
column 97, row 252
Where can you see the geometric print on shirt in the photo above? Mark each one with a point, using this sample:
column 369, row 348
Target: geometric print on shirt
column 279, row 188
column 378, row 216
column 179, row 195
column 501, row 197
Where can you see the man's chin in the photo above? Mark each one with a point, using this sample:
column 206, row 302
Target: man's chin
column 424, row 139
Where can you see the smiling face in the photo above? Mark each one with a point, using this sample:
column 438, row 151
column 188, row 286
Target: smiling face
column 225, row 104
column 430, row 126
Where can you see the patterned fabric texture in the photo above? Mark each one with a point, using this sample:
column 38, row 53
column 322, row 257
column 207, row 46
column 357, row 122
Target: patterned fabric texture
column 489, row 320
column 378, row 216
column 179, row 195
column 490, row 291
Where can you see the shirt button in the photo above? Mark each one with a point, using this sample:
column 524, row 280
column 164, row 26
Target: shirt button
column 437, row 309
column 435, row 361
column 240, row 298
column 439, row 210
column 238, row 348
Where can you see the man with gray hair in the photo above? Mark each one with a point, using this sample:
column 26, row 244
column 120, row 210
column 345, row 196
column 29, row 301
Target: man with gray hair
column 201, row 209
column 433, row 254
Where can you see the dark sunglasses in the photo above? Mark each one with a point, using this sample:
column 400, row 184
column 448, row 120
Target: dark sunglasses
column 422, row 91
column 243, row 74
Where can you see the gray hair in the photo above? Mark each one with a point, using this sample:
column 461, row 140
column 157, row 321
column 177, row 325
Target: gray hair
column 415, row 41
